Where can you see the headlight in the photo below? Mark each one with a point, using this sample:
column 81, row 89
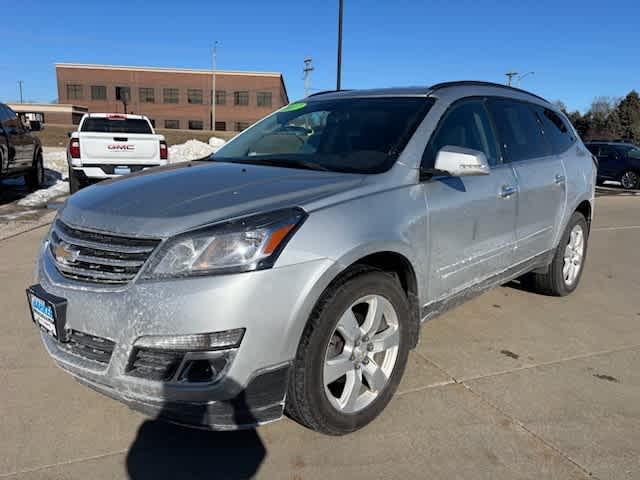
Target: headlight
column 249, row 243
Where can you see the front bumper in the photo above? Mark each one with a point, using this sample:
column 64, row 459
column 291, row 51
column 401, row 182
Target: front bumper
column 272, row 305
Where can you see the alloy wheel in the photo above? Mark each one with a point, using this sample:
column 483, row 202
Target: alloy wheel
column 361, row 354
column 573, row 255
column 629, row 180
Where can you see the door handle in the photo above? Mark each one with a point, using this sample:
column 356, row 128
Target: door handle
column 560, row 179
column 507, row 190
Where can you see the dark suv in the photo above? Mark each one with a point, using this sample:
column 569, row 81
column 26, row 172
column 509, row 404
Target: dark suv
column 20, row 151
column 619, row 161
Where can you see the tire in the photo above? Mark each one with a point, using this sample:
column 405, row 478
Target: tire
column 630, row 180
column 74, row 182
column 35, row 178
column 315, row 404
column 557, row 281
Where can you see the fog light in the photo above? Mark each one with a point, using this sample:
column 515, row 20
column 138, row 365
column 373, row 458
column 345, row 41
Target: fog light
column 193, row 343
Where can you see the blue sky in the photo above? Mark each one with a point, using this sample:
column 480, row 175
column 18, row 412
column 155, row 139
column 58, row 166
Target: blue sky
column 578, row 49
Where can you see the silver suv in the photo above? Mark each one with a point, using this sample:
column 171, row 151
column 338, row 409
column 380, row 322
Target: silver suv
column 291, row 272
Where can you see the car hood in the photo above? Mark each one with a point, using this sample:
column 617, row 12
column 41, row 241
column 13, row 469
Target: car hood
column 168, row 200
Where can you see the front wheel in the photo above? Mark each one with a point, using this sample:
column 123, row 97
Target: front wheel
column 564, row 272
column 630, row 180
column 352, row 354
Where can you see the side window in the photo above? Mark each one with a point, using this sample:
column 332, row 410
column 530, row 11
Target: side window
column 555, row 130
column 10, row 119
column 518, row 129
column 465, row 125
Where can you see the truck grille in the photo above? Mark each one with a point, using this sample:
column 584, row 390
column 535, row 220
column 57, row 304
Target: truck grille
column 96, row 257
column 97, row 349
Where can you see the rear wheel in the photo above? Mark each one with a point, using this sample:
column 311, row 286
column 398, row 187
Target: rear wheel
column 35, row 178
column 352, row 354
column 630, row 180
column 564, row 272
column 75, row 183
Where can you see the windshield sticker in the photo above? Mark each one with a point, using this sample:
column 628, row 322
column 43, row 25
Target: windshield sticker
column 294, row 106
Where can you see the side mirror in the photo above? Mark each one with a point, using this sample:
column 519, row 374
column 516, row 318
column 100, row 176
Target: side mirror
column 461, row 162
column 69, row 134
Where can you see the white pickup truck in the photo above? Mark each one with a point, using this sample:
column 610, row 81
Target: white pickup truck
column 107, row 145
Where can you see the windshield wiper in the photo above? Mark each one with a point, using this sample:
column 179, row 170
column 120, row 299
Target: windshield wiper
column 278, row 162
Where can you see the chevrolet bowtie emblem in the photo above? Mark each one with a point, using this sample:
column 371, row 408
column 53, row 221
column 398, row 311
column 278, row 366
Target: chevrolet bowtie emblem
column 64, row 254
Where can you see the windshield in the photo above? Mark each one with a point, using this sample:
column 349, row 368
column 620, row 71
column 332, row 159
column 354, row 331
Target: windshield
column 359, row 135
column 116, row 125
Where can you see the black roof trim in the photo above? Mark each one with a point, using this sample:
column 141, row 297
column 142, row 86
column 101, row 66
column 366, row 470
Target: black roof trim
column 322, row 92
column 478, row 83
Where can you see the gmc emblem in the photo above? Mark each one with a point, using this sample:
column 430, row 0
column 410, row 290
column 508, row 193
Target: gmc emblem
column 121, row 148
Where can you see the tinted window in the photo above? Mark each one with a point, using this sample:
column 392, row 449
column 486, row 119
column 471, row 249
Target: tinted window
column 4, row 113
column 464, row 125
column 592, row 148
column 557, row 133
column 519, row 130
column 116, row 125
column 362, row 135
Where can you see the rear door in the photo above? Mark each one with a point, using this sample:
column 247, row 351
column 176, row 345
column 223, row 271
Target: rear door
column 118, row 140
column 539, row 172
column 608, row 161
column 471, row 219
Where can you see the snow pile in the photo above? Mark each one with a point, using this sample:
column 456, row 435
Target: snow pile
column 216, row 143
column 55, row 159
column 55, row 179
column 194, row 150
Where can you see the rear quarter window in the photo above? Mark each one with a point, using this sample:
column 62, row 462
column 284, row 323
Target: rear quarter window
column 116, row 125
column 556, row 131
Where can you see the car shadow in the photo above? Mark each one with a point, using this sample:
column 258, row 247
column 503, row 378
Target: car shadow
column 14, row 189
column 163, row 450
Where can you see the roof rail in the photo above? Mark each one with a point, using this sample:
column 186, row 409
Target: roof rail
column 462, row 83
column 322, row 92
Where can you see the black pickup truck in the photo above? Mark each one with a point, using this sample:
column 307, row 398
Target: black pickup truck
column 20, row 151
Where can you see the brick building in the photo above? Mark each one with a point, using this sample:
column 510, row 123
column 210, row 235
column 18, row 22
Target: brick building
column 173, row 97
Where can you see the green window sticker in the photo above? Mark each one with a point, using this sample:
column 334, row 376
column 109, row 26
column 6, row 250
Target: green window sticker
column 294, row 106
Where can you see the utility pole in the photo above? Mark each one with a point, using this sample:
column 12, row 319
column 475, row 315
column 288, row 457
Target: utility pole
column 510, row 76
column 214, row 55
column 308, row 68
column 339, row 68
column 20, row 82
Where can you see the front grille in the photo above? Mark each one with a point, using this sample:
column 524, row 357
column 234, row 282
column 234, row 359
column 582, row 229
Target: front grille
column 93, row 348
column 96, row 257
column 154, row 364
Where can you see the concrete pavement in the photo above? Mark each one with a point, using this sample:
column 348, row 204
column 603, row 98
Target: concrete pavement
column 511, row 385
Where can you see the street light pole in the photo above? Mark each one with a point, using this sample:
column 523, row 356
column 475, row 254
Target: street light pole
column 214, row 55
column 20, row 87
column 339, row 66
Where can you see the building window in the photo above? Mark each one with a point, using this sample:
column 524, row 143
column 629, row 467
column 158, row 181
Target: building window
column 221, row 97
column 264, row 99
column 221, row 126
column 194, row 96
column 171, row 95
column 98, row 92
column 147, row 95
column 195, row 125
column 241, row 98
column 240, row 126
column 123, row 94
column 172, row 124
column 74, row 91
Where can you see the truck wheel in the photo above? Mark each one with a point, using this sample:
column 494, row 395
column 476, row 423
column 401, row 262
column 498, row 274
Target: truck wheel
column 564, row 272
column 75, row 183
column 35, row 178
column 352, row 353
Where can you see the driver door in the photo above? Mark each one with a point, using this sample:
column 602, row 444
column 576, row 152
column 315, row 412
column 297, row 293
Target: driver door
column 472, row 219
